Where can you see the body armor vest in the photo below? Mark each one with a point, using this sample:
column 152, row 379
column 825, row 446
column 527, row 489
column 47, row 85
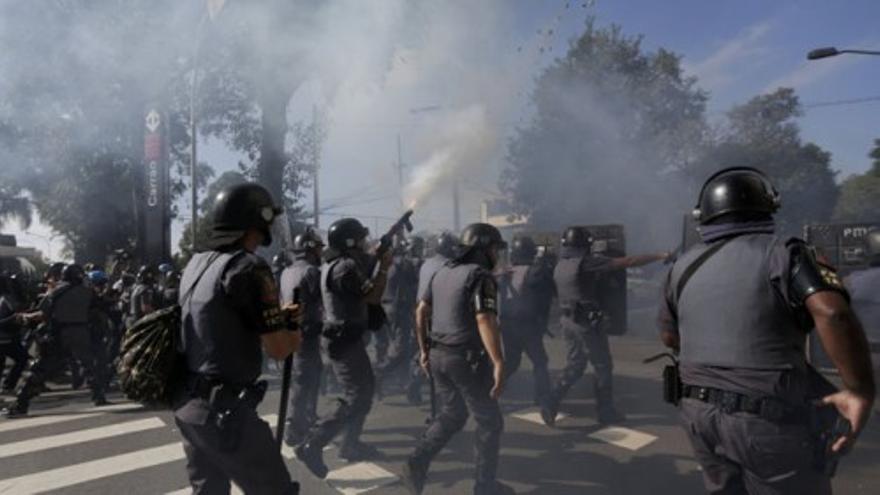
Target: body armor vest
column 342, row 308
column 453, row 317
column 729, row 313
column 573, row 286
column 216, row 339
column 295, row 277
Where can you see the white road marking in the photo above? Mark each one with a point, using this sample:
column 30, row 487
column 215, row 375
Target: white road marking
column 56, row 479
column 66, row 439
column 121, row 407
column 535, row 417
column 361, row 477
column 43, row 420
column 624, row 437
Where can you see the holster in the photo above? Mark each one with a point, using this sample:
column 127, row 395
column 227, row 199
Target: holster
column 826, row 424
column 227, row 403
column 672, row 386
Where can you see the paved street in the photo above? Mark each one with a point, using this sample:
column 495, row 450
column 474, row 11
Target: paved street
column 67, row 446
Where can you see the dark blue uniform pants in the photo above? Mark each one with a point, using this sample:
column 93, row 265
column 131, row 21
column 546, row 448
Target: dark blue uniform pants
column 742, row 453
column 585, row 345
column 354, row 375
column 255, row 466
column 82, row 345
column 307, row 368
column 19, row 356
column 463, row 380
column 528, row 339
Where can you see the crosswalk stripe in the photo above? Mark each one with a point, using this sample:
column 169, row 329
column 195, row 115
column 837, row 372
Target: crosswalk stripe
column 535, row 417
column 359, row 478
column 48, row 419
column 75, row 437
column 56, row 479
column 626, row 438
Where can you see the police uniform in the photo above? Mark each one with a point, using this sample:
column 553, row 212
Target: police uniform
column 739, row 319
column 577, row 276
column 142, row 294
column 305, row 278
column 67, row 311
column 344, row 285
column 460, row 367
column 228, row 300
column 10, row 343
column 525, row 294
column 399, row 303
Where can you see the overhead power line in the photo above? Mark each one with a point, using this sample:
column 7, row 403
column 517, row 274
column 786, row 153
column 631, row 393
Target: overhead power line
column 834, row 103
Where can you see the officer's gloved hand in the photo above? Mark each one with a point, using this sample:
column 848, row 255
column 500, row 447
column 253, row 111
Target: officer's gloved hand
column 294, row 313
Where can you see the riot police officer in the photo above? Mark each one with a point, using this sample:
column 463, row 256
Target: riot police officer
column 578, row 276
column 525, row 292
column 737, row 307
column 349, row 285
column 230, row 311
column 302, row 279
column 11, row 303
column 464, row 357
column 399, row 303
column 864, row 289
column 144, row 298
column 68, row 312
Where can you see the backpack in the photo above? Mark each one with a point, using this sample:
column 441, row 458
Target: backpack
column 151, row 368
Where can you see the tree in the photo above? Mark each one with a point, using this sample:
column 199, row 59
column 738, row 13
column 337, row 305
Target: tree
column 860, row 194
column 612, row 124
column 763, row 133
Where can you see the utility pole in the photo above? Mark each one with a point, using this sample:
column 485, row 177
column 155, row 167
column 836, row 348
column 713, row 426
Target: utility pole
column 193, row 124
column 456, row 208
column 400, row 169
column 316, row 159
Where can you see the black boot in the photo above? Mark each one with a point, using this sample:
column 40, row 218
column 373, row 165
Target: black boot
column 359, row 451
column 313, row 457
column 606, row 413
column 549, row 410
column 17, row 409
column 414, row 475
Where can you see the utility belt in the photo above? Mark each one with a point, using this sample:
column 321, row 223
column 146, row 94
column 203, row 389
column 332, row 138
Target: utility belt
column 474, row 353
column 587, row 314
column 769, row 408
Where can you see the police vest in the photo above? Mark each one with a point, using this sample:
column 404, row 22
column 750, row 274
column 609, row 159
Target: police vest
column 70, row 305
column 453, row 317
column 296, row 276
column 216, row 338
column 518, row 294
column 342, row 308
column 729, row 313
column 864, row 289
column 573, row 285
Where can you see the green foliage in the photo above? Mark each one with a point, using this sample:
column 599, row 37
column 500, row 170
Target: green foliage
column 860, row 194
column 611, row 123
column 763, row 133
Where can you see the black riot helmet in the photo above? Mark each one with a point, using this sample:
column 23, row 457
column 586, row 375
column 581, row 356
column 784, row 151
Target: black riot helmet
column 446, row 244
column 740, row 190
column 577, row 237
column 73, row 274
column 307, row 241
column 346, row 233
column 478, row 240
column 146, row 274
column 872, row 247
column 239, row 208
column 280, row 260
column 523, row 250
column 54, row 272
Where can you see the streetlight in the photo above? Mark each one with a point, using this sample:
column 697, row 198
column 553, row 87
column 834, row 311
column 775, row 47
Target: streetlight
column 830, row 51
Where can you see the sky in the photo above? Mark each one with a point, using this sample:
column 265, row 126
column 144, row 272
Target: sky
column 736, row 49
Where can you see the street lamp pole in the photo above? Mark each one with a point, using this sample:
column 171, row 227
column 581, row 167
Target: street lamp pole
column 831, row 51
